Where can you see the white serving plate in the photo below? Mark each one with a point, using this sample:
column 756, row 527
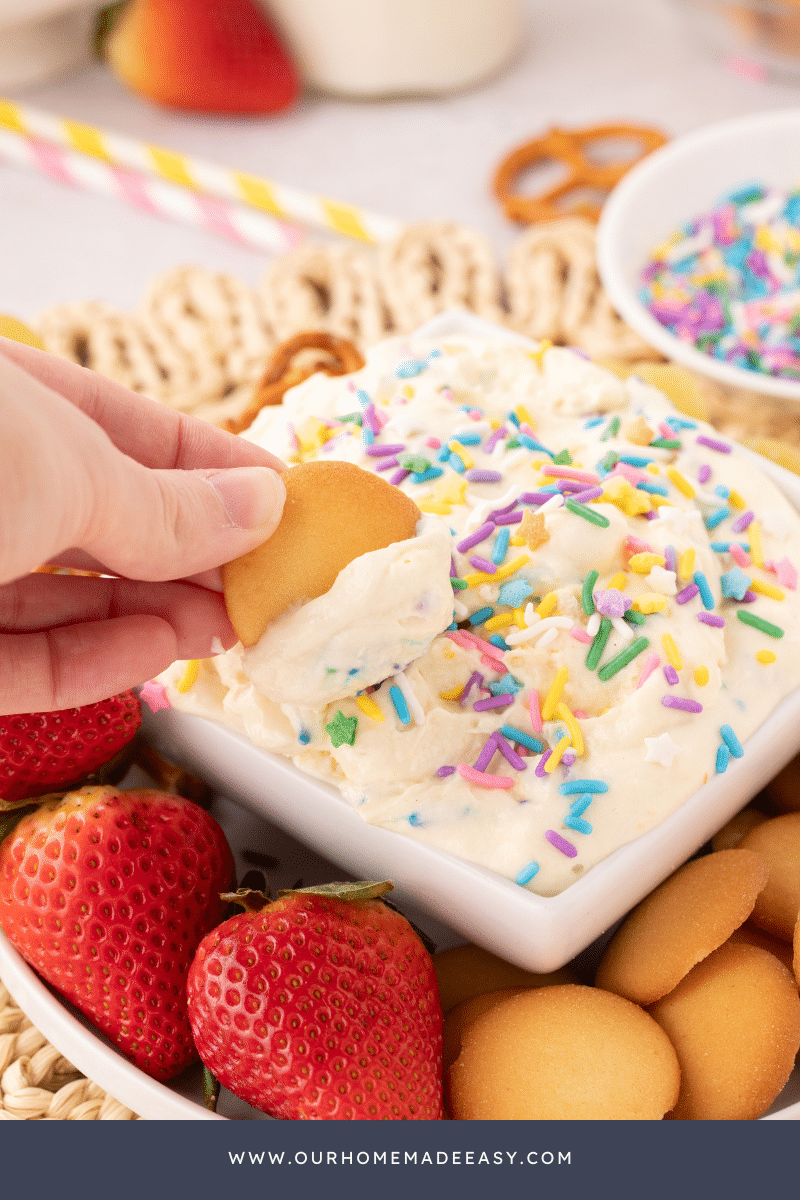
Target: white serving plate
column 682, row 179
column 540, row 933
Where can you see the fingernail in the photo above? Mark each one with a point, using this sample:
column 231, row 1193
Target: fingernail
column 252, row 497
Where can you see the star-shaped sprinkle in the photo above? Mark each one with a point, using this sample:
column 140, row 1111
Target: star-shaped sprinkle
column 734, row 583
column 342, row 729
column 785, row 573
column 678, row 520
column 532, row 529
column 661, row 750
column 612, row 602
column 154, row 695
column 661, row 580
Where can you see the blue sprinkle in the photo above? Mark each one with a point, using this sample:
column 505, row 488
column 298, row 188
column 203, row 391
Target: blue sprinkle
column 500, row 642
column 731, row 741
column 457, row 463
column 705, row 591
column 677, row 423
column 363, row 398
column 721, row 490
column 578, row 823
column 723, row 758
column 400, row 706
column 531, row 444
column 500, row 548
column 657, row 489
column 367, row 436
column 434, row 354
column 410, row 368
column 579, row 806
column 467, row 439
column 714, row 518
column 415, row 819
column 592, row 422
column 734, row 583
column 522, row 739
column 426, row 476
column 582, row 785
column 513, row 418
column 636, row 460
column 507, row 686
column 722, row 547
column 514, row 593
column 453, row 626
column 481, row 615
column 304, row 737
column 444, row 453
column 527, row 873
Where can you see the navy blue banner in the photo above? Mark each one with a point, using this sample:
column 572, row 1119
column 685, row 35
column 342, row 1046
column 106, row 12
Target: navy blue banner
column 173, row 1160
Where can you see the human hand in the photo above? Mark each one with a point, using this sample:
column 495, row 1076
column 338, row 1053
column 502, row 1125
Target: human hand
column 96, row 477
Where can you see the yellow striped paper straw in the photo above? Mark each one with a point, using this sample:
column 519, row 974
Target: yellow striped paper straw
column 199, row 176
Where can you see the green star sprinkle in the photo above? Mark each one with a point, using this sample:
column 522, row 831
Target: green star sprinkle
column 563, row 458
column 342, row 729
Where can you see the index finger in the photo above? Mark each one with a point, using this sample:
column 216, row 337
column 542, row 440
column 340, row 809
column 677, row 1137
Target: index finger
column 152, row 433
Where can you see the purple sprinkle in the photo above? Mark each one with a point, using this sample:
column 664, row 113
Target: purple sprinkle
column 399, row 476
column 493, row 439
column 386, row 464
column 483, row 564
column 539, row 768
column 569, row 485
column 704, row 474
column 741, row 523
column 376, row 451
column 650, row 515
column 453, row 571
column 567, row 759
column 443, row 772
column 501, row 701
column 681, row 702
column 749, row 597
column 671, row 675
column 710, row 619
column 593, row 493
column 512, row 518
column 671, row 558
column 369, row 419
column 536, row 497
column 509, row 753
column 713, row 444
column 479, row 475
column 686, row 594
column 499, row 512
column 486, row 755
column 475, row 678
column 560, row 843
column 472, row 539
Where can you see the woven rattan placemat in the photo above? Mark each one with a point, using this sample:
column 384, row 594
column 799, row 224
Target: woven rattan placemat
column 199, row 341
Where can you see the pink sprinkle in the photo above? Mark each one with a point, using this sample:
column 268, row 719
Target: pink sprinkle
column 665, row 430
column 351, row 387
column 293, row 438
column 739, row 555
column 154, row 695
column 534, row 710
column 488, row 649
column 786, row 573
column 483, row 564
column 634, row 545
column 681, row 702
column 650, row 664
column 475, row 414
column 570, row 473
column 580, row 634
column 382, row 417
column 539, row 768
column 704, row 473
column 713, row 444
column 461, row 638
column 482, row 779
column 492, row 663
column 629, row 472
column 560, row 843
column 433, row 443
column 579, row 713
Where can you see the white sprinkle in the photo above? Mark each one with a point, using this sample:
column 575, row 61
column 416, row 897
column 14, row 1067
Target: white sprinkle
column 530, row 616
column 663, row 581
column 622, row 628
column 661, row 750
column 548, row 637
column 414, row 706
column 461, row 611
column 217, row 646
column 518, row 636
column 555, row 501
column 593, row 624
column 516, row 457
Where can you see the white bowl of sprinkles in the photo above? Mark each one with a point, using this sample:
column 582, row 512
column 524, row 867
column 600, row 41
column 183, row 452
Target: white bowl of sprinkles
column 721, row 258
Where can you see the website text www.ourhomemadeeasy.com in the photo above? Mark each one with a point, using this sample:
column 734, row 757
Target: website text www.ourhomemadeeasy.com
column 399, row 1158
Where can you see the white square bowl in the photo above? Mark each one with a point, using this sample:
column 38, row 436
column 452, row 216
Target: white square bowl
column 536, row 932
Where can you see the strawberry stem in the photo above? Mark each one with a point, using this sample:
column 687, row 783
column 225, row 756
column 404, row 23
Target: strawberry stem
column 364, row 889
column 250, row 899
column 210, row 1089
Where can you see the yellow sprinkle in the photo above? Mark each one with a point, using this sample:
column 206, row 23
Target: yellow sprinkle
column 572, row 725
column 453, row 694
column 681, row 483
column 555, row 757
column 756, row 550
column 495, row 422
column 463, row 454
column 450, row 489
column 766, row 656
column 516, row 540
column 370, row 708
column 538, row 355
column 686, row 564
column 449, row 652
column 643, row 564
column 478, row 577
column 435, row 506
column 767, row 589
column 736, row 500
column 621, row 492
column 649, row 602
column 408, row 391
column 519, row 618
column 554, row 695
column 548, row 604
column 654, row 468
column 672, row 652
column 501, row 621
column 189, row 675
column 618, row 581
column 701, row 675
column 523, row 416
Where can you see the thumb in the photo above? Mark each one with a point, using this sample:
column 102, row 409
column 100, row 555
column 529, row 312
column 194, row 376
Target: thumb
column 158, row 525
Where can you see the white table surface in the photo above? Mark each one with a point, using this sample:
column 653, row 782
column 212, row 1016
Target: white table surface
column 584, row 62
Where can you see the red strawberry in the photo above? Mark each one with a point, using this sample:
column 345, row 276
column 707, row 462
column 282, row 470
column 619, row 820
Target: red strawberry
column 108, row 894
column 52, row 751
column 321, row 1006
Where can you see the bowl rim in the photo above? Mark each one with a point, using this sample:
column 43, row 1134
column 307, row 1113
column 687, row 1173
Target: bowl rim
column 619, row 212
